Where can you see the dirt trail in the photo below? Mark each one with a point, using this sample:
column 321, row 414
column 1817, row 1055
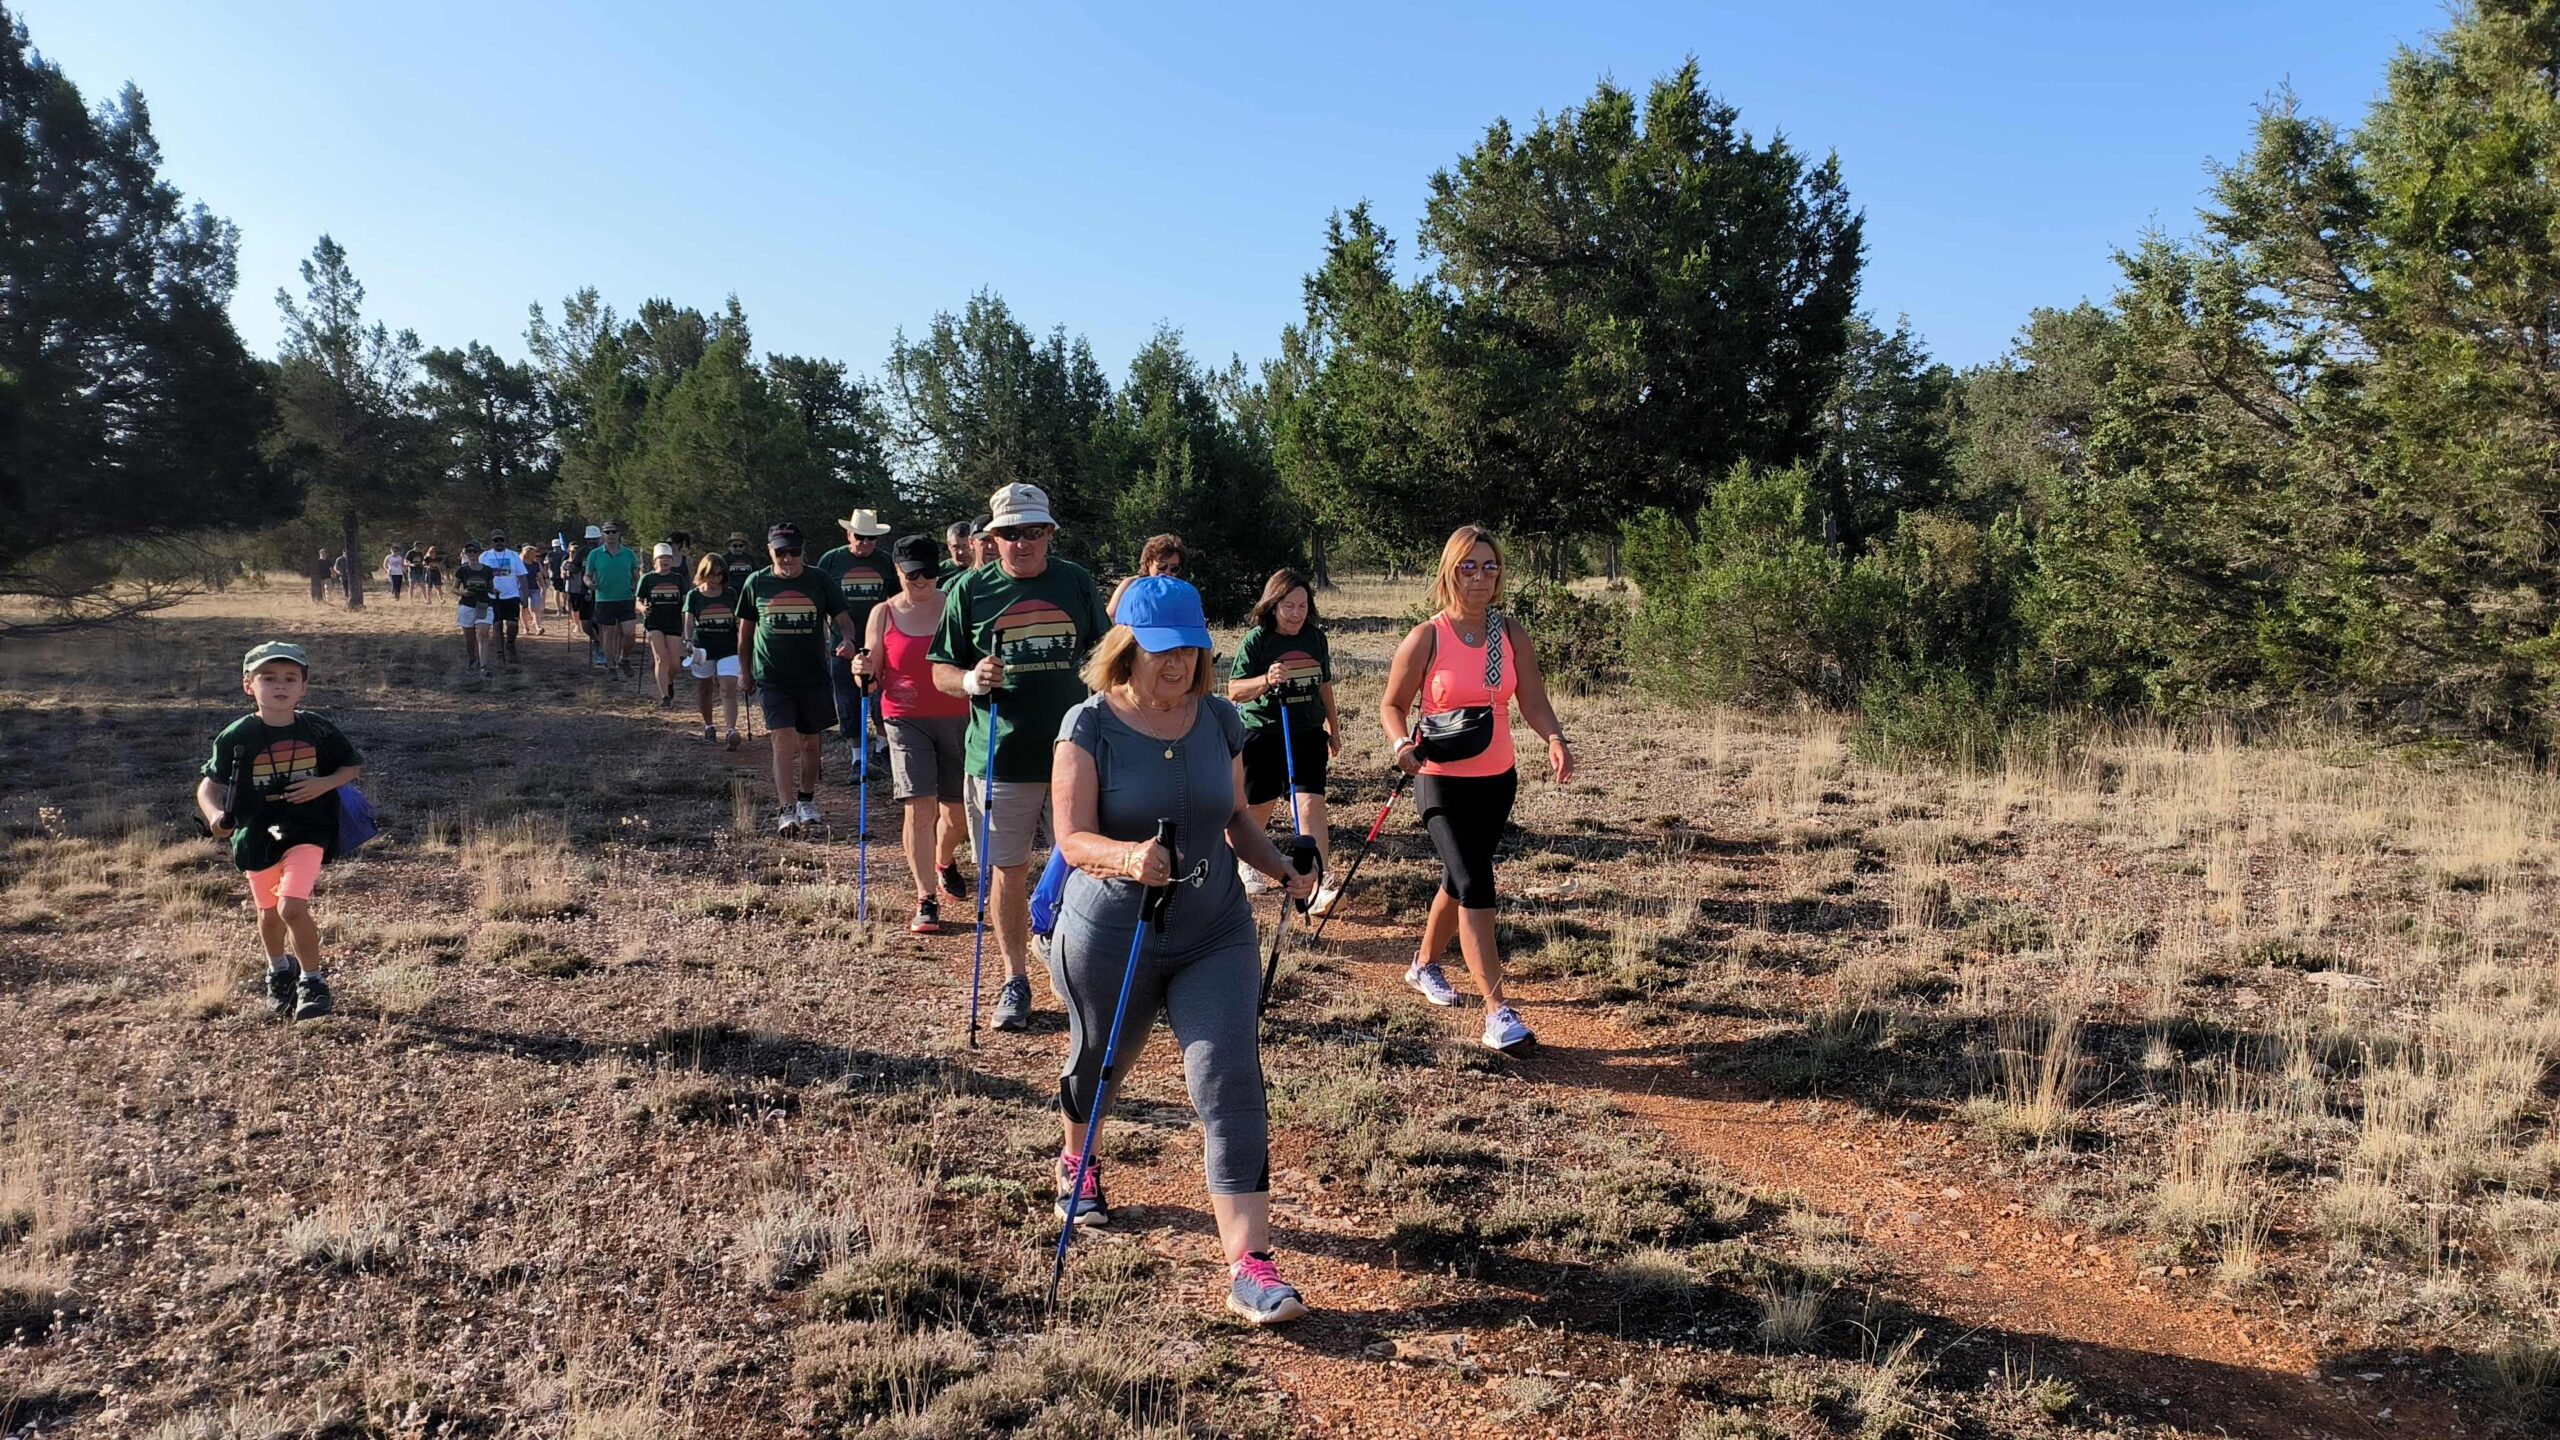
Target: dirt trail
column 1972, row 1253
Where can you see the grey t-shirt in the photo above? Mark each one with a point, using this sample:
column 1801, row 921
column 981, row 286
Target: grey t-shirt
column 1137, row 784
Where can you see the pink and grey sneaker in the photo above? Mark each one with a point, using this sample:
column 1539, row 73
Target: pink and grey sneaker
column 1085, row 1198
column 1259, row 1295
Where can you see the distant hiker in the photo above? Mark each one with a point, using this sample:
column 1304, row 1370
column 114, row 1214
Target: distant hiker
column 711, row 633
column 1161, row 555
column 661, row 598
column 338, row 574
column 507, row 570
column 743, row 560
column 431, row 573
column 866, row 577
column 537, row 578
column 1284, row 661
column 320, row 569
column 581, row 591
column 927, row 729
column 268, row 789
column 395, row 570
column 614, row 574
column 960, row 539
column 1447, row 711
column 981, row 552
column 475, row 609
column 1012, row 637
column 413, row 560
column 1153, row 743
column 785, row 614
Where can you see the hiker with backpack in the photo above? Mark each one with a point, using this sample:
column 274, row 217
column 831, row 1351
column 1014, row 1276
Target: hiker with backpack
column 270, row 790
column 1153, row 744
column 1447, row 712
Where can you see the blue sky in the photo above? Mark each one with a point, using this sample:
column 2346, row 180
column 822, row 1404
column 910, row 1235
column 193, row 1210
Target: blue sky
column 848, row 169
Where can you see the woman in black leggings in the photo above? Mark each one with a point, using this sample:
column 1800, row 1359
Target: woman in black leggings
column 1447, row 710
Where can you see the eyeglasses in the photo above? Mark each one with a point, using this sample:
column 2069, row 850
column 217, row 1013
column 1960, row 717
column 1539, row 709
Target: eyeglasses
column 916, row 572
column 781, row 550
column 1021, row 534
column 1471, row 569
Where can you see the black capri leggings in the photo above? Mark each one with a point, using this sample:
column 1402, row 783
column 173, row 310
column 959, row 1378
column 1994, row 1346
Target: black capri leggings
column 1465, row 815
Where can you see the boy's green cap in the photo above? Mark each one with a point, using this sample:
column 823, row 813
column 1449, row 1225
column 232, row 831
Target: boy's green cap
column 274, row 650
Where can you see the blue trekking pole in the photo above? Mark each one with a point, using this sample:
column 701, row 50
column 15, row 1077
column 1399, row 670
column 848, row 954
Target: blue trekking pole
column 986, row 807
column 1151, row 907
column 862, row 806
column 1301, row 852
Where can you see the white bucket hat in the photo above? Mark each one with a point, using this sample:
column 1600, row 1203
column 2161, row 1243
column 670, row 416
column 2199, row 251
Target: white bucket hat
column 1019, row 505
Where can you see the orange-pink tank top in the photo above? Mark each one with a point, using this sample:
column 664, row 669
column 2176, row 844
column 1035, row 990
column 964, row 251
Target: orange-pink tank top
column 1462, row 675
column 906, row 678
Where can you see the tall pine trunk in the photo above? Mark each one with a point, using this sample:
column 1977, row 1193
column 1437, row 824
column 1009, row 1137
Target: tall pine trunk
column 355, row 563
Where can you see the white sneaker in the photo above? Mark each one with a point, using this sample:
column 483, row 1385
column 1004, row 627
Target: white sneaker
column 806, row 811
column 1503, row 1030
column 786, row 820
column 1255, row 882
column 1433, row 985
column 1326, row 894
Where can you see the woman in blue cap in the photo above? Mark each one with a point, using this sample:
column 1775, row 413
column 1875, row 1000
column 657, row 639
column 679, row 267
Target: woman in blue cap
column 1153, row 744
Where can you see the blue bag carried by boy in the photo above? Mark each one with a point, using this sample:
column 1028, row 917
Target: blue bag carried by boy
column 1046, row 895
column 356, row 823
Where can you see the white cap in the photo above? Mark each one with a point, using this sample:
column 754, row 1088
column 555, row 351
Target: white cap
column 595, row 532
column 1019, row 505
column 664, row 551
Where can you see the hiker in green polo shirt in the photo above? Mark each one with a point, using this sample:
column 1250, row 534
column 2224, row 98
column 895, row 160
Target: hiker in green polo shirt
column 784, row 615
column 1013, row 637
column 613, row 572
column 867, row 578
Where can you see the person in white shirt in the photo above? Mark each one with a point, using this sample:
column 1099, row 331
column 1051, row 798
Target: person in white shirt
column 395, row 568
column 508, row 586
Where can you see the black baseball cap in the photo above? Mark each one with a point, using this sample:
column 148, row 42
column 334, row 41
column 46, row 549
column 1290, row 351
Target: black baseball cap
column 916, row 552
column 783, row 536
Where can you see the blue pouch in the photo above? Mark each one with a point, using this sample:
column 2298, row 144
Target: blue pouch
column 356, row 823
column 1046, row 896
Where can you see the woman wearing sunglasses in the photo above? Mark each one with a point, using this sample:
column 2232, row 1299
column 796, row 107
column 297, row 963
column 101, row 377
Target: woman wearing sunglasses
column 1447, row 711
column 1161, row 555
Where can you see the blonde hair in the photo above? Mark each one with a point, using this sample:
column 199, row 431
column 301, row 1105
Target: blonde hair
column 1112, row 661
column 711, row 566
column 1462, row 542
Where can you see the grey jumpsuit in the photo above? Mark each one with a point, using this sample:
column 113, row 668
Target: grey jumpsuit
column 1199, row 968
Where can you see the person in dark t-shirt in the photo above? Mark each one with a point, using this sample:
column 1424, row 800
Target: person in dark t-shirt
column 787, row 616
column 475, row 602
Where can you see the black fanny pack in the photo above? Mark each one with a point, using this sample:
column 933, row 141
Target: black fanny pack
column 1451, row 736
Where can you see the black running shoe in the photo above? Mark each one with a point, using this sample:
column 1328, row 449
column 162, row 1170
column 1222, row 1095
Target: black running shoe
column 952, row 883
column 928, row 919
column 280, row 989
column 1013, row 1004
column 311, row 998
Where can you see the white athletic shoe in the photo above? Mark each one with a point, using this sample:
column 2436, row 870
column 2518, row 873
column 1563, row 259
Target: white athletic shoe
column 1433, row 985
column 787, row 820
column 1326, row 894
column 1255, row 882
column 1503, row 1030
column 806, row 811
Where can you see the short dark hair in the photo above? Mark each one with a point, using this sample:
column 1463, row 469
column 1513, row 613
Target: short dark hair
column 1275, row 590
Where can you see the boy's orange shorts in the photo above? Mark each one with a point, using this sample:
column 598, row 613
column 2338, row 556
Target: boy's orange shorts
column 293, row 877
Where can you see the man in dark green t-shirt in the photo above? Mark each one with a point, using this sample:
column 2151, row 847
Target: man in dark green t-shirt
column 867, row 578
column 1014, row 636
column 784, row 616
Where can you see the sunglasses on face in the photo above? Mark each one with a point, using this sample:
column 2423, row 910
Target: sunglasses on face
column 779, row 551
column 1021, row 534
column 915, row 572
column 1470, row 569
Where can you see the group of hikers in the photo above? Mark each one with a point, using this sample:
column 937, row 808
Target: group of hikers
column 1018, row 711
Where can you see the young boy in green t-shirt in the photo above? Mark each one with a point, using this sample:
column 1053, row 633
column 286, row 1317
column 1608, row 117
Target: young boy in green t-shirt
column 269, row 788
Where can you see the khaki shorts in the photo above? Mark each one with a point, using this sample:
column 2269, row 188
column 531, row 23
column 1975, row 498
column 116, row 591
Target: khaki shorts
column 925, row 757
column 1021, row 820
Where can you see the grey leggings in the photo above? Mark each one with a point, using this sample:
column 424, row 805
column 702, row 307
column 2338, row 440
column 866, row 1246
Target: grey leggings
column 1207, row 984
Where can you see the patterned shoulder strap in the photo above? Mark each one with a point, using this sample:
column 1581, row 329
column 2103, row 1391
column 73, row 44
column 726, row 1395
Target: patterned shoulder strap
column 1495, row 627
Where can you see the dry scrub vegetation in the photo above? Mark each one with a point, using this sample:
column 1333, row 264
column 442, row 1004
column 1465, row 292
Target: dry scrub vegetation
column 629, row 1128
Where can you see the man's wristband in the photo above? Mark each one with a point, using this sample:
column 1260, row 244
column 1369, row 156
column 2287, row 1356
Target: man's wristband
column 975, row 686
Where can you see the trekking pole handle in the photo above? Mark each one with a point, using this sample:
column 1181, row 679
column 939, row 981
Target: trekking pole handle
column 1152, row 910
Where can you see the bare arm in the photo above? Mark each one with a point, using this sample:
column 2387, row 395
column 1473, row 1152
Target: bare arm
column 312, row 787
column 1536, row 708
column 209, row 805
column 1075, row 787
column 1404, row 681
column 747, row 653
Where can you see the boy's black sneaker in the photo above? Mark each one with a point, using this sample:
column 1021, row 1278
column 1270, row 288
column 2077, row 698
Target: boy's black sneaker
column 280, row 989
column 952, row 883
column 311, row 998
column 928, row 919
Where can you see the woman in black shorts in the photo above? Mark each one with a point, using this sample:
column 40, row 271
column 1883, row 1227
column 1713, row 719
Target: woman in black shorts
column 661, row 598
column 1284, row 665
column 1447, row 710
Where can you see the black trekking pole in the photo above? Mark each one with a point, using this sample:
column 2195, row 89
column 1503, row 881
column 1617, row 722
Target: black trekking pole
column 1343, row 891
column 1301, row 851
column 1151, row 907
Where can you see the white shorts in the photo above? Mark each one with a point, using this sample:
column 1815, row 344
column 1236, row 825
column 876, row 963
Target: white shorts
column 703, row 667
column 469, row 617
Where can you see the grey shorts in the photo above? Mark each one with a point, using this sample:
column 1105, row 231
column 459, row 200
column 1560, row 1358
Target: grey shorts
column 925, row 757
column 1020, row 821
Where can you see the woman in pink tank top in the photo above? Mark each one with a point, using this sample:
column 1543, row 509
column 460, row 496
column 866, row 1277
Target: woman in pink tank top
column 926, row 728
column 1447, row 710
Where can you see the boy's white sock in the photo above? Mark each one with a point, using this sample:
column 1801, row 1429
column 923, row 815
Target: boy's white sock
column 279, row 962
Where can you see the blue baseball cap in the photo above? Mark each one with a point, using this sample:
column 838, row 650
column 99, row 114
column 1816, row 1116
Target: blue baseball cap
column 1164, row 614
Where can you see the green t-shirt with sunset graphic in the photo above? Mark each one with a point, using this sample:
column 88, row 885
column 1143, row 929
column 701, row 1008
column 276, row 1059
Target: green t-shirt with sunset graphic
column 1309, row 660
column 260, row 762
column 715, row 622
column 1041, row 630
column 791, row 644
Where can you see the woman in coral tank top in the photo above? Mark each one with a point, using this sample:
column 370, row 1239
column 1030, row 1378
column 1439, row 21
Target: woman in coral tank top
column 925, row 726
column 1447, row 710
